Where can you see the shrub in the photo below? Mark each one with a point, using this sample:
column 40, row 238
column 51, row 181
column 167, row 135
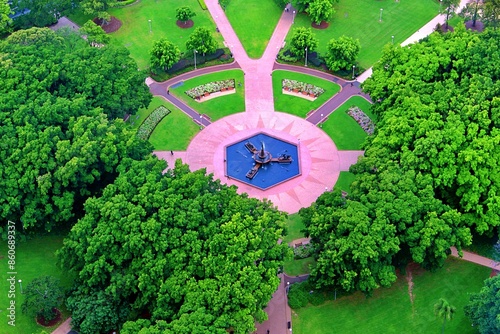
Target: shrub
column 303, row 251
column 297, row 297
column 302, row 87
column 211, row 87
column 147, row 127
column 364, row 121
column 186, row 62
column 125, row 2
column 202, row 4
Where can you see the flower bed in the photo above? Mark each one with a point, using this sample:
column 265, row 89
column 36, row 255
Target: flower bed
column 147, row 127
column 364, row 121
column 211, row 87
column 305, row 88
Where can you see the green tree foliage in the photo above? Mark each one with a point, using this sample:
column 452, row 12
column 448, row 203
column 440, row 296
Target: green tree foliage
column 41, row 12
column 303, row 38
column 491, row 12
column 444, row 311
column 164, row 54
column 430, row 172
column 449, row 7
column 94, row 34
column 202, row 41
column 58, row 148
column 483, row 308
column 42, row 296
column 320, row 10
column 184, row 14
column 5, row 20
column 99, row 8
column 191, row 252
column 342, row 53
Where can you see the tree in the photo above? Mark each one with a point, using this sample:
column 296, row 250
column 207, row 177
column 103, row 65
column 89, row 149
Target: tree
column 42, row 296
column 202, row 41
column 342, row 53
column 98, row 8
column 443, row 310
column 320, row 10
column 94, row 34
column 429, row 172
column 184, row 14
column 188, row 250
column 449, row 7
column 58, row 147
column 491, row 12
column 484, row 307
column 5, row 20
column 164, row 54
column 41, row 13
column 303, row 38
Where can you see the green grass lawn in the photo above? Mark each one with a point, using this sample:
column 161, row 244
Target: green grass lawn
column 34, row 258
column 134, row 33
column 391, row 311
column 296, row 105
column 174, row 132
column 360, row 19
column 344, row 181
column 298, row 267
column 343, row 129
column 254, row 22
column 294, row 226
column 219, row 107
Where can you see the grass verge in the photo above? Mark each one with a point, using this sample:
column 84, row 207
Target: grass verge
column 392, row 311
column 343, row 129
column 361, row 20
column 344, row 181
column 254, row 22
column 34, row 258
column 296, row 105
column 135, row 33
column 221, row 106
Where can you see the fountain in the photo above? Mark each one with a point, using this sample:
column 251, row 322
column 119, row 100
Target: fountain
column 260, row 168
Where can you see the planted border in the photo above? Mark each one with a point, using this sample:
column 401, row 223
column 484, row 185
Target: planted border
column 301, row 87
column 147, row 127
column 363, row 120
column 211, row 87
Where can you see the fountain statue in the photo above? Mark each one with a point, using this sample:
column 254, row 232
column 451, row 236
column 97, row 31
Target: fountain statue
column 262, row 157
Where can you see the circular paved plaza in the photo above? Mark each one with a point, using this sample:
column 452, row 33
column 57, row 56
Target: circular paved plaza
column 319, row 157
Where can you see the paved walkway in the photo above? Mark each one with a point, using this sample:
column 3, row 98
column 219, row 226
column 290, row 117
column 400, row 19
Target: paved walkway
column 63, row 328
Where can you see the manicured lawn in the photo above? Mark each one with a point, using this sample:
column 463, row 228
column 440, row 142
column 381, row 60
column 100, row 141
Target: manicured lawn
column 343, row 129
column 219, row 107
column 344, row 181
column 296, row 105
column 298, row 267
column 134, row 33
column 294, row 226
column 360, row 19
column 254, row 22
column 34, row 258
column 174, row 132
column 391, row 311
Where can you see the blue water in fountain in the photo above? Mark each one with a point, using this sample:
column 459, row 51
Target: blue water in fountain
column 239, row 161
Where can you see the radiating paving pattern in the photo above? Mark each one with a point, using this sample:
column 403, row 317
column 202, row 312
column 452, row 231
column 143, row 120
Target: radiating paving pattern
column 319, row 158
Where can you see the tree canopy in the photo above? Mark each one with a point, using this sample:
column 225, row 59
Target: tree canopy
column 58, row 148
column 179, row 246
column 342, row 53
column 41, row 13
column 42, row 295
column 94, row 34
column 184, row 13
column 202, row 41
column 483, row 308
column 5, row 20
column 164, row 54
column 430, row 172
column 303, row 38
column 320, row 10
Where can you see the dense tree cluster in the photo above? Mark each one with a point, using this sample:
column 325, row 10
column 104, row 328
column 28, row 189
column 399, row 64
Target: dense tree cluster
column 180, row 249
column 58, row 147
column 40, row 13
column 483, row 308
column 430, row 173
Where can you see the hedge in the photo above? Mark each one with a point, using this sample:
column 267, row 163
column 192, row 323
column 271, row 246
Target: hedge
column 202, row 4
